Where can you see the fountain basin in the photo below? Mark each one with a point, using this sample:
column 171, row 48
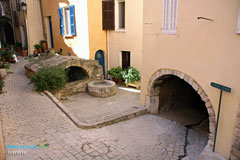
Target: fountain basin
column 101, row 88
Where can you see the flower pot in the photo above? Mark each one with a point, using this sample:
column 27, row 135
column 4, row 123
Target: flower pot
column 19, row 49
column 45, row 46
column 115, row 80
column 3, row 72
column 35, row 52
column 39, row 50
column 24, row 53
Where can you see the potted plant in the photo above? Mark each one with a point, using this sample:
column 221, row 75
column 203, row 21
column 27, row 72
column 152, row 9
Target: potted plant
column 131, row 75
column 18, row 47
column 38, row 47
column 44, row 44
column 25, row 50
column 115, row 73
column 4, row 69
column 1, row 84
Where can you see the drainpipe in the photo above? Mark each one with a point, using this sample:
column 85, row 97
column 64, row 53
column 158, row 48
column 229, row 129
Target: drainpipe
column 44, row 35
column 108, row 43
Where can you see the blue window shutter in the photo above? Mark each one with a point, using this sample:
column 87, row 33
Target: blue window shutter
column 72, row 19
column 61, row 20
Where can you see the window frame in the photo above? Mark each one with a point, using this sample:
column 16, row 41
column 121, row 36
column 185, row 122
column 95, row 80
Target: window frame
column 62, row 19
column 117, row 16
column 171, row 18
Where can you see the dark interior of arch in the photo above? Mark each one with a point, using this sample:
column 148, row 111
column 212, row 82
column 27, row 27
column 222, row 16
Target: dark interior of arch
column 179, row 102
column 76, row 73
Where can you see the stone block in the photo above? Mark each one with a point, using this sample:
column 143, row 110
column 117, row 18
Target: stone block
column 154, row 102
column 195, row 86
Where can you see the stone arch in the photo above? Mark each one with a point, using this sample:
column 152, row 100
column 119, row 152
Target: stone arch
column 152, row 97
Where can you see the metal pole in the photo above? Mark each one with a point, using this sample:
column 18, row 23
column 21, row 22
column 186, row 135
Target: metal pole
column 219, row 108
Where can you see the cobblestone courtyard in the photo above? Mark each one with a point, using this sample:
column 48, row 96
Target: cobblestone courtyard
column 30, row 118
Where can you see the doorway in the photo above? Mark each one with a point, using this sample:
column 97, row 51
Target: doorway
column 9, row 34
column 125, row 59
column 49, row 30
column 99, row 55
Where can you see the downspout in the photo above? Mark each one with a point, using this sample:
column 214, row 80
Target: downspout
column 108, row 43
column 44, row 35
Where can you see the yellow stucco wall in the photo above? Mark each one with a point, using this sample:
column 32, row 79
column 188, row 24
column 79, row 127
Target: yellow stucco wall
column 131, row 38
column 208, row 51
column 89, row 34
column 34, row 23
column 97, row 36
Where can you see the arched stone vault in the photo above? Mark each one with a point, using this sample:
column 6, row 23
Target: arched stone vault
column 152, row 98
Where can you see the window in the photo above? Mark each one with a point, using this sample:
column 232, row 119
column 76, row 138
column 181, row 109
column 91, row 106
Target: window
column 169, row 25
column 238, row 23
column 67, row 21
column 121, row 15
column 125, row 59
column 108, row 14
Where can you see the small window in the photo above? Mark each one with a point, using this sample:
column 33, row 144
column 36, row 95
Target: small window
column 126, row 62
column 122, row 15
column 238, row 22
column 169, row 25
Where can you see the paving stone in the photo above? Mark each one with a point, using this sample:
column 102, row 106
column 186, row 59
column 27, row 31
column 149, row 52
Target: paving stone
column 32, row 118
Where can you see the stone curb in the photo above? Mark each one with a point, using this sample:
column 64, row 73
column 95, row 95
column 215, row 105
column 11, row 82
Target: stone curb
column 2, row 151
column 75, row 120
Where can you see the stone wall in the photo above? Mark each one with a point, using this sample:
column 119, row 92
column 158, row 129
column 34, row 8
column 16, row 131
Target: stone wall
column 235, row 154
column 92, row 68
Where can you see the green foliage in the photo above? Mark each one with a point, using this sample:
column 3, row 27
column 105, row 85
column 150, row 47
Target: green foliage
column 49, row 78
column 25, row 47
column 37, row 46
column 4, row 65
column 131, row 75
column 18, row 44
column 1, row 85
column 115, row 72
column 42, row 41
column 6, row 56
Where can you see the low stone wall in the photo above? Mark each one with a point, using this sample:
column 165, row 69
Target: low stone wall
column 235, row 154
column 91, row 67
column 71, row 88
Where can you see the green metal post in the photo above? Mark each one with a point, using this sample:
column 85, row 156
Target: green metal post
column 219, row 107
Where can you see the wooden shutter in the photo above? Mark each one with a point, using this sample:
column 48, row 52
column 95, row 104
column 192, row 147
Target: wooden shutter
column 169, row 16
column 72, row 20
column 61, row 20
column 108, row 15
column 238, row 23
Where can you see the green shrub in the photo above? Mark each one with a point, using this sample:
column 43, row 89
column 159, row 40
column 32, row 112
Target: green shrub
column 131, row 75
column 1, row 85
column 115, row 72
column 42, row 41
column 18, row 44
column 49, row 78
column 37, row 46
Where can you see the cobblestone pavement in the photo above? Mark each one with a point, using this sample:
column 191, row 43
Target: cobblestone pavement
column 30, row 118
column 91, row 109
